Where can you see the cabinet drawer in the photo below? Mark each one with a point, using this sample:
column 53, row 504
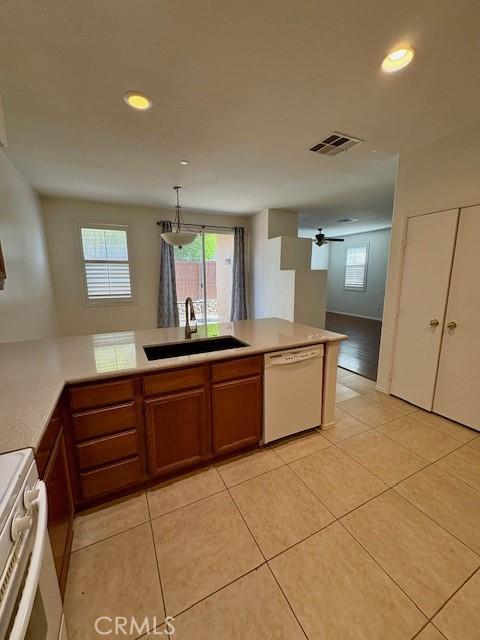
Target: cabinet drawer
column 111, row 478
column 175, row 380
column 239, row 368
column 102, row 422
column 109, row 449
column 101, row 394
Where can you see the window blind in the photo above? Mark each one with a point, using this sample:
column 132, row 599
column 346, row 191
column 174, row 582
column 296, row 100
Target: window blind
column 356, row 267
column 106, row 263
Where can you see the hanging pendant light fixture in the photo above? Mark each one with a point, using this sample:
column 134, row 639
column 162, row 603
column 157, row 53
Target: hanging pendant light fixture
column 177, row 237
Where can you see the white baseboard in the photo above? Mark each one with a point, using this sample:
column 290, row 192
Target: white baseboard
column 382, row 389
column 353, row 315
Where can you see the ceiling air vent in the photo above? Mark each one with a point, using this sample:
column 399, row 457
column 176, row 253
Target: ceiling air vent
column 335, row 143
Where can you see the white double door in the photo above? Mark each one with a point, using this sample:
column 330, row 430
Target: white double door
column 437, row 348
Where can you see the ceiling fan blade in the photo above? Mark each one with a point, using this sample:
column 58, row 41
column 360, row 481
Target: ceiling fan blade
column 335, row 239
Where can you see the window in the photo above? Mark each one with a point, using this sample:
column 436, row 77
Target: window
column 356, row 262
column 203, row 271
column 106, row 266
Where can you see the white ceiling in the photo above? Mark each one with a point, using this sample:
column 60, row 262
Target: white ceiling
column 241, row 90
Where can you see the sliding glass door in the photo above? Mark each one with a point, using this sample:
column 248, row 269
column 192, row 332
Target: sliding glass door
column 203, row 271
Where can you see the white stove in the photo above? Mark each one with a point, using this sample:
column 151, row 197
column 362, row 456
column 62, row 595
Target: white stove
column 30, row 603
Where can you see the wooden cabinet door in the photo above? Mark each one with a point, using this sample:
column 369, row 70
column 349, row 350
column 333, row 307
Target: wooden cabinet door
column 60, row 508
column 458, row 382
column 426, row 274
column 237, row 414
column 177, row 430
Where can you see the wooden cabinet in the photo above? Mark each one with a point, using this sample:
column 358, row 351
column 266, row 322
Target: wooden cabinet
column 125, row 432
column 177, row 419
column 237, row 414
column 106, row 437
column 55, row 473
column 237, row 404
column 173, row 420
column 177, row 430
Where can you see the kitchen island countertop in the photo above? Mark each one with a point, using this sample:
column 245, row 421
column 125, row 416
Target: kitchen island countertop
column 34, row 373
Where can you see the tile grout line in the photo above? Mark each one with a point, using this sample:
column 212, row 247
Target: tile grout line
column 232, row 581
column 411, row 413
column 452, row 474
column 436, row 521
column 428, row 462
column 384, row 570
column 460, row 445
column 455, row 592
column 114, row 535
column 422, row 629
column 302, row 539
column 156, row 557
column 310, row 489
column 477, row 570
column 266, row 562
column 237, row 484
column 228, row 584
column 187, row 504
column 462, row 426
column 290, row 605
column 369, row 470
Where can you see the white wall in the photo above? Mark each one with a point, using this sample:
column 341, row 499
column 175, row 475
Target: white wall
column 441, row 175
column 282, row 283
column 76, row 317
column 310, row 297
column 320, row 256
column 272, row 290
column 367, row 303
column 27, row 306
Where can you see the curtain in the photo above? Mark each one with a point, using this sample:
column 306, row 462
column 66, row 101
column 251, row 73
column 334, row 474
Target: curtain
column 167, row 293
column 239, row 298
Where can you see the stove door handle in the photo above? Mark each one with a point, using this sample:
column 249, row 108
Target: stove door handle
column 25, row 605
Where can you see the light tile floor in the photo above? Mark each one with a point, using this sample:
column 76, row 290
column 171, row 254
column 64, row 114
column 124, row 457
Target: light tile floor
column 368, row 531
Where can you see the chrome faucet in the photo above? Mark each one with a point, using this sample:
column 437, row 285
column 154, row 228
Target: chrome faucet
column 188, row 328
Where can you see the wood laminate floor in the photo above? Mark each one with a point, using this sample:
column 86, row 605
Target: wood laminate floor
column 360, row 352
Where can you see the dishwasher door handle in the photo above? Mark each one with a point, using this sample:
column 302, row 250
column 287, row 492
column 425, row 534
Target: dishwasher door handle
column 292, row 358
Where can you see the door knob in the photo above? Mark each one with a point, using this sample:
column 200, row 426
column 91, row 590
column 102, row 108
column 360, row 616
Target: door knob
column 434, row 322
column 452, row 325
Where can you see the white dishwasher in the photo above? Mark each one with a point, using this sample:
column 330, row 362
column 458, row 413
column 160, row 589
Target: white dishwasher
column 293, row 391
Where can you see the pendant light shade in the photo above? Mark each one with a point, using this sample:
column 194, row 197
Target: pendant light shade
column 177, row 237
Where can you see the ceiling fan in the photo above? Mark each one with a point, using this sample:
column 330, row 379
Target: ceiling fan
column 321, row 239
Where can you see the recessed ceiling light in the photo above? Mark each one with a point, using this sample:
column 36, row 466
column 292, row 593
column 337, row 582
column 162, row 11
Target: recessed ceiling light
column 184, row 162
column 398, row 59
column 138, row 100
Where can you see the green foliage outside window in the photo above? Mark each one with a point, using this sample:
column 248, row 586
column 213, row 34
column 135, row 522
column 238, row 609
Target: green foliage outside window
column 193, row 251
